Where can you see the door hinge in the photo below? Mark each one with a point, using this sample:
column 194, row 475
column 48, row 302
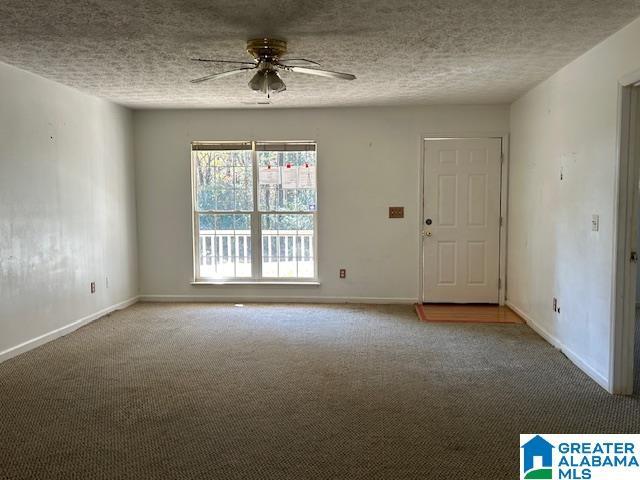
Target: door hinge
column 634, row 257
column 501, row 221
column 499, row 283
column 501, row 157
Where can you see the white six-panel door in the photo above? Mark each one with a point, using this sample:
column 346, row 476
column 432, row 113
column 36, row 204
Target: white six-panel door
column 461, row 246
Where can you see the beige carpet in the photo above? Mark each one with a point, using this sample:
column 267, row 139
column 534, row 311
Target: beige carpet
column 169, row 391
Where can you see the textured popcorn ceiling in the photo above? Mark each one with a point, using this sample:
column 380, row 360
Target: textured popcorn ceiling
column 136, row 52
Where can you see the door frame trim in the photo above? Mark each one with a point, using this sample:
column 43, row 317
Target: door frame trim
column 623, row 293
column 504, row 192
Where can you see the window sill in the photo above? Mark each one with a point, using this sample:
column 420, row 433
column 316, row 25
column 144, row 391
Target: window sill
column 311, row 283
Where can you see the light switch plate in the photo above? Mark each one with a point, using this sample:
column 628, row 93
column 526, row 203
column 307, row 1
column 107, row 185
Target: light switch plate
column 396, row 212
column 595, row 223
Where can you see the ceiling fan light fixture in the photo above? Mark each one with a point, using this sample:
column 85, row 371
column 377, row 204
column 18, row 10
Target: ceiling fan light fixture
column 275, row 84
column 258, row 82
column 267, row 81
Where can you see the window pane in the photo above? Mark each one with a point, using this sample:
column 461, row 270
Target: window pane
column 287, row 181
column 244, row 200
column 224, row 199
column 269, row 198
column 288, row 246
column 307, row 200
column 224, row 180
column 289, row 200
column 224, row 245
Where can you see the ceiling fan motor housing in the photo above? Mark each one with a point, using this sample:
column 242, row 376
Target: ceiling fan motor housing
column 266, row 48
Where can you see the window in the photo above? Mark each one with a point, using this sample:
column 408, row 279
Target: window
column 254, row 211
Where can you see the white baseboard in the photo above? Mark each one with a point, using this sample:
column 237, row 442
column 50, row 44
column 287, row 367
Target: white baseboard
column 570, row 354
column 59, row 332
column 263, row 299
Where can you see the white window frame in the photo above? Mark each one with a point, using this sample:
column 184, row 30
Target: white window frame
column 256, row 224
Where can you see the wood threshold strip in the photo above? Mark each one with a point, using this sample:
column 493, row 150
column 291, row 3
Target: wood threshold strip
column 473, row 313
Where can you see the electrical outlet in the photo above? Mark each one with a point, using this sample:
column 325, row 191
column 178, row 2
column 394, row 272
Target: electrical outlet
column 595, row 223
column 93, row 287
column 343, row 273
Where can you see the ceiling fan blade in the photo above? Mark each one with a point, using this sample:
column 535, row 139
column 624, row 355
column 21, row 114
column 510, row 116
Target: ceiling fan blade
column 221, row 75
column 285, row 61
column 213, row 60
column 321, row 73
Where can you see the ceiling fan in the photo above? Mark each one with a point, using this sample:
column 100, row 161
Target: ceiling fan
column 267, row 61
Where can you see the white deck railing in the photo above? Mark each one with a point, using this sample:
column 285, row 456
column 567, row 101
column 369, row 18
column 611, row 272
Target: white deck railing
column 234, row 246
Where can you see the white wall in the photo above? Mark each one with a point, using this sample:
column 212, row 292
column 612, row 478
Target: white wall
column 369, row 159
column 67, row 207
column 569, row 121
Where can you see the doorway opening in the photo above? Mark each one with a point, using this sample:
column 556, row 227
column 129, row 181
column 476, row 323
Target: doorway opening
column 463, row 252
